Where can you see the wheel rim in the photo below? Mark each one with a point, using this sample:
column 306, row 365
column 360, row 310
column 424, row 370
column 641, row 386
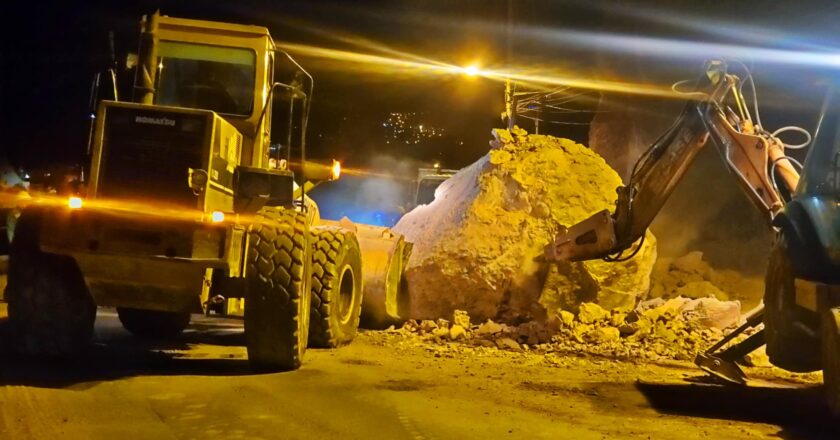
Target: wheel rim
column 346, row 292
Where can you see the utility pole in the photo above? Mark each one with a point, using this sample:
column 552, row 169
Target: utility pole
column 510, row 87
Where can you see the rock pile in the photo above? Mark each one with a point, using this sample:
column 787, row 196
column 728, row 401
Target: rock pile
column 692, row 277
column 675, row 329
column 476, row 246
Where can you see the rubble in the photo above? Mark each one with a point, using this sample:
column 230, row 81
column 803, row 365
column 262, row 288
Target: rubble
column 589, row 313
column 692, row 277
column 708, row 312
column 758, row 358
column 457, row 332
column 567, row 318
column 477, row 244
column 475, row 260
column 490, row 328
column 508, row 344
column 600, row 335
column 461, row 318
column 655, row 330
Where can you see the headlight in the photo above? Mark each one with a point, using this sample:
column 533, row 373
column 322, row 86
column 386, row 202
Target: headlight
column 336, row 169
column 74, row 202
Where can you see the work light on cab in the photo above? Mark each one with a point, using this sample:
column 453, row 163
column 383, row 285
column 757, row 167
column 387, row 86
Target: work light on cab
column 336, row 169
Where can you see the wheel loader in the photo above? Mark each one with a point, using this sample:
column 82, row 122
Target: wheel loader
column 188, row 209
column 800, row 312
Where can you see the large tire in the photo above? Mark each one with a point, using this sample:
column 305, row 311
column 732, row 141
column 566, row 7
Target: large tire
column 830, row 337
column 336, row 287
column 277, row 298
column 153, row 324
column 51, row 312
column 788, row 345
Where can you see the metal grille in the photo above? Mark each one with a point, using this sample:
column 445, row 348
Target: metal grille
column 146, row 155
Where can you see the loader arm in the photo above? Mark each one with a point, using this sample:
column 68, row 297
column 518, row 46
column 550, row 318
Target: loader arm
column 746, row 154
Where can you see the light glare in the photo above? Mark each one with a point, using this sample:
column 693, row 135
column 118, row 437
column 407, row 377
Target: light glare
column 336, row 170
column 547, row 78
column 74, row 202
column 217, row 216
column 471, row 70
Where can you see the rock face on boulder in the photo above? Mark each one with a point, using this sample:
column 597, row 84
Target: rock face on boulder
column 476, row 246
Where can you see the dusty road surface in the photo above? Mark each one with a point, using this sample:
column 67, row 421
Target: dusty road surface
column 381, row 386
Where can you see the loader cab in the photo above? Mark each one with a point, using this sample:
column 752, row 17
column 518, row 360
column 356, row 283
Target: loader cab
column 222, row 67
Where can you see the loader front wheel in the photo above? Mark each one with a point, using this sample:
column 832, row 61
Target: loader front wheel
column 336, row 287
column 277, row 296
column 51, row 312
column 153, row 324
column 831, row 358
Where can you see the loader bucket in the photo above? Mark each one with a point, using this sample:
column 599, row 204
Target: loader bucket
column 384, row 257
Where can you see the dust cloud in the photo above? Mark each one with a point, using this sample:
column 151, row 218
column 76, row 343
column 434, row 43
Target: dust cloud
column 379, row 194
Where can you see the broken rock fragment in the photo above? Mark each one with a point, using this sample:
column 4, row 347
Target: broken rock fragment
column 508, row 344
column 600, row 335
column 591, row 312
column 457, row 332
column 460, row 317
column 489, row 328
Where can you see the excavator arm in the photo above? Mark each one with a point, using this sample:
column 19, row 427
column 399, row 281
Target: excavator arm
column 749, row 154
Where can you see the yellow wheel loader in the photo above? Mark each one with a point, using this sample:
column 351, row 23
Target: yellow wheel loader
column 187, row 210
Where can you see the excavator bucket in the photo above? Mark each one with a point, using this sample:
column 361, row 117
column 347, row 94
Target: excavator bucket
column 384, row 257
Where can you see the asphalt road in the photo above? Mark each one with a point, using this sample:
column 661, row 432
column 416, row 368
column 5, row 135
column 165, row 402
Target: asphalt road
column 379, row 387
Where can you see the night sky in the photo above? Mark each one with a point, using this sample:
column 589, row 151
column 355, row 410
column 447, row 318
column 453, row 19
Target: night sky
column 52, row 49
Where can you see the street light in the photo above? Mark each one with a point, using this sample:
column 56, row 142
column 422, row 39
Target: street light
column 471, row 70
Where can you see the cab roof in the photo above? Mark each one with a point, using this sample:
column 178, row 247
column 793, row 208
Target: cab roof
column 187, row 24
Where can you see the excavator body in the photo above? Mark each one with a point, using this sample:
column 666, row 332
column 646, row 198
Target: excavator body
column 801, row 308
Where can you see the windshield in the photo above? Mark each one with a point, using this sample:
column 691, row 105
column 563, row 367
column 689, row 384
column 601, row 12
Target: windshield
column 206, row 77
column 821, row 176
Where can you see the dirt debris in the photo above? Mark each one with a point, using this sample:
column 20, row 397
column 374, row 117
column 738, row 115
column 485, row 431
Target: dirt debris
column 676, row 329
column 481, row 238
column 692, row 276
column 590, row 313
column 488, row 224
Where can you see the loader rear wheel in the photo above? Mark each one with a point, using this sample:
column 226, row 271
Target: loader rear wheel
column 153, row 324
column 831, row 359
column 336, row 287
column 51, row 312
column 788, row 346
column 277, row 296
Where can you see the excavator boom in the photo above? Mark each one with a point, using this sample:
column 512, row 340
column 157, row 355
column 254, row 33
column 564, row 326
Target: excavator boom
column 750, row 156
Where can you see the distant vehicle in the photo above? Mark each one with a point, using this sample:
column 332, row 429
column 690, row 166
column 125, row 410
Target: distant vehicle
column 428, row 180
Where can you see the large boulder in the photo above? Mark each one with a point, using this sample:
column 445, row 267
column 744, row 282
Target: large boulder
column 476, row 246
